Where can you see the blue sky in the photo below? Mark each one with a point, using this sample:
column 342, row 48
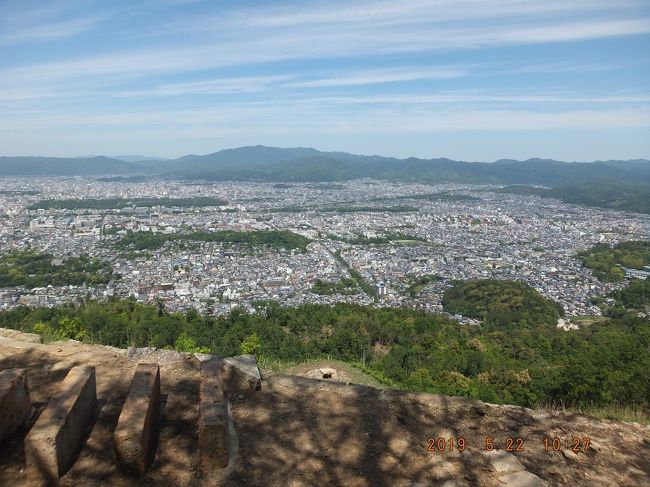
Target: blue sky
column 471, row 80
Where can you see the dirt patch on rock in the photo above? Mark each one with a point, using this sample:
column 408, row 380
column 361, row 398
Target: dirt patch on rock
column 303, row 432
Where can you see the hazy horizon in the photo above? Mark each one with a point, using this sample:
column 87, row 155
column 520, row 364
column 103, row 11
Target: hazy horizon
column 130, row 157
column 468, row 80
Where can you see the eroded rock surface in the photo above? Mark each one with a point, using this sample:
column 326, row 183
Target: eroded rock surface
column 303, row 432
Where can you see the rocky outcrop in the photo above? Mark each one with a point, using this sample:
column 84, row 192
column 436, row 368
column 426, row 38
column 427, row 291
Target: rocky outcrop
column 15, row 406
column 20, row 336
column 288, row 430
column 240, row 373
column 51, row 444
column 137, row 428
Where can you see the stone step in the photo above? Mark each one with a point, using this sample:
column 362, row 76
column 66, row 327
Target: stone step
column 137, row 427
column 59, row 447
column 213, row 427
column 57, row 436
column 240, row 374
column 511, row 471
column 15, row 406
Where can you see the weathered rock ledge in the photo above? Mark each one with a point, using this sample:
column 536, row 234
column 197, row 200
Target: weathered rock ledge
column 296, row 431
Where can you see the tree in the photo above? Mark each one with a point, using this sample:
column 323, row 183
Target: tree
column 251, row 345
column 72, row 328
column 616, row 273
column 185, row 343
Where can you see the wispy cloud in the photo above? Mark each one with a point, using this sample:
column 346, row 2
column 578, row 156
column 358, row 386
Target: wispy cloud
column 317, row 66
column 290, row 119
column 54, row 30
column 454, row 98
column 565, row 67
column 383, row 13
column 257, row 36
column 379, row 76
column 21, row 24
column 244, row 84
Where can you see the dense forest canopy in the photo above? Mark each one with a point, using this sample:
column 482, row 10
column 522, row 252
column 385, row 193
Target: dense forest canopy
column 606, row 261
column 635, row 295
column 501, row 303
column 32, row 269
column 136, row 241
column 602, row 364
column 345, row 286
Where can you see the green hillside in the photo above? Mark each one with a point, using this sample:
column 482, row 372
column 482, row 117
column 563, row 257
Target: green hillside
column 605, row 364
column 501, row 303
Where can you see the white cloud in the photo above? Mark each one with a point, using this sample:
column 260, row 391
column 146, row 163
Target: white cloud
column 54, row 30
column 454, row 98
column 48, row 21
column 343, row 30
column 377, row 76
column 309, row 116
column 382, row 13
column 108, row 90
column 565, row 67
column 243, row 84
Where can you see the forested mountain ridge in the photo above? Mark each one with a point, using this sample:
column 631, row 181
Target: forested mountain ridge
column 306, row 164
column 62, row 166
column 601, row 365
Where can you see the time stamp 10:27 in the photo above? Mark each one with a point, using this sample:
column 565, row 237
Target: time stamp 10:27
column 511, row 444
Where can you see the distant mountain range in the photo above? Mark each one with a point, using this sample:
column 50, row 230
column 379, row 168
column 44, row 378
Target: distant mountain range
column 262, row 163
column 58, row 166
column 138, row 158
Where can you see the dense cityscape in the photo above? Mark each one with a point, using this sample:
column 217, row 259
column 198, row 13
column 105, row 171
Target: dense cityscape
column 316, row 243
column 394, row 244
